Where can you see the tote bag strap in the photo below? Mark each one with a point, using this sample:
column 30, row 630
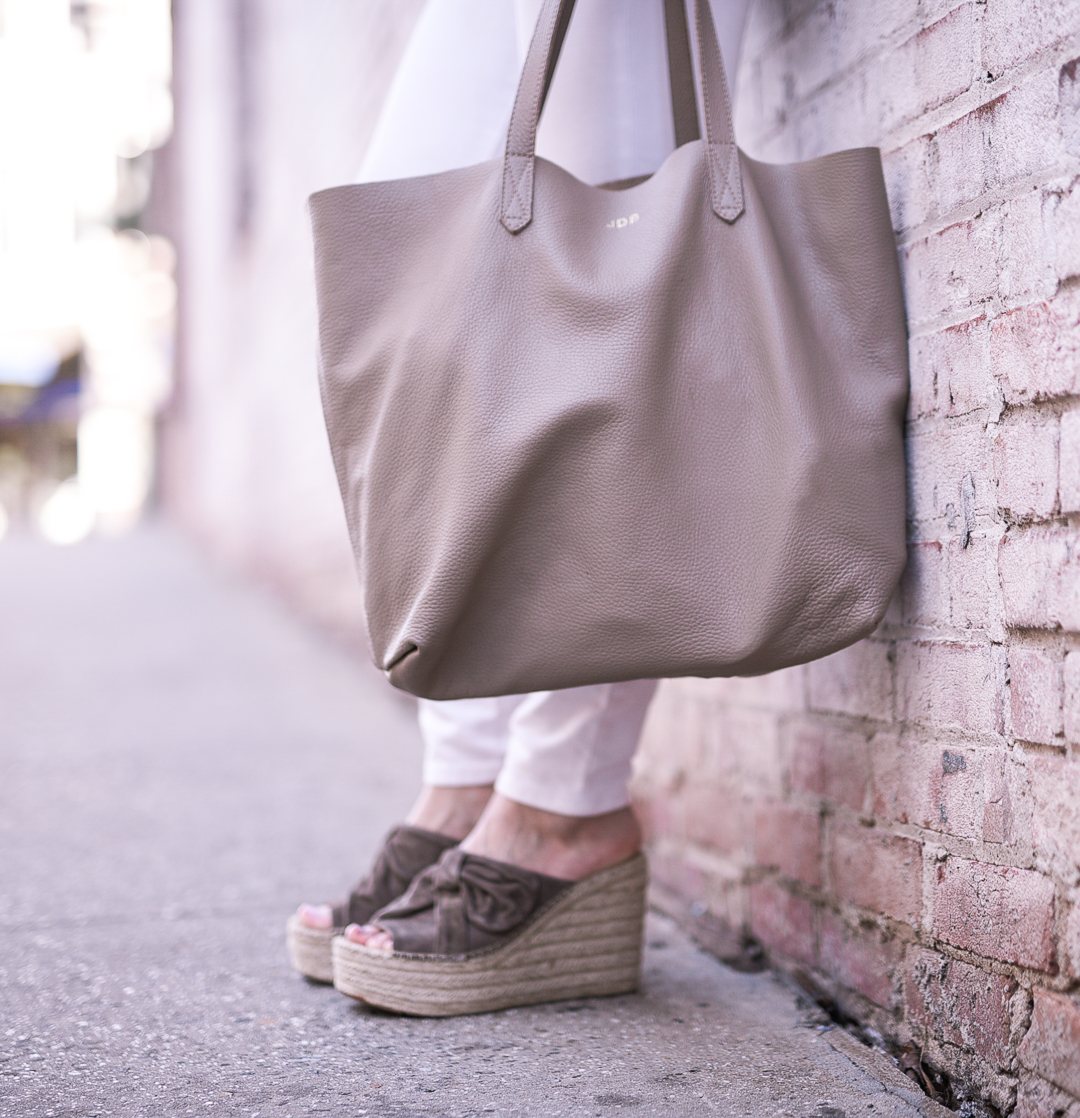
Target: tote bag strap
column 722, row 156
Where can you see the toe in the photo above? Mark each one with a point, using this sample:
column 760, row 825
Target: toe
column 368, row 935
column 317, row 916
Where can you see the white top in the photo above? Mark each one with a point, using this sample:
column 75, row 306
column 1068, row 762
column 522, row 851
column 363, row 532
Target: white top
column 607, row 117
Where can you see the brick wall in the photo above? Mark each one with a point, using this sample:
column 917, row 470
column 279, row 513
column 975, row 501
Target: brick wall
column 901, row 822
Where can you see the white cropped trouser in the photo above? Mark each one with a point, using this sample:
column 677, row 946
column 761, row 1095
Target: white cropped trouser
column 608, row 117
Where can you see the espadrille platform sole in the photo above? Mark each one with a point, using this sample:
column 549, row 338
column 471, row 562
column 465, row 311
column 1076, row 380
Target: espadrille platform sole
column 310, row 949
column 587, row 942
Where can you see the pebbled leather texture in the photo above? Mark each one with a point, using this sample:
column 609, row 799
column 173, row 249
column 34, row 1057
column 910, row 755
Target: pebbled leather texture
column 656, row 431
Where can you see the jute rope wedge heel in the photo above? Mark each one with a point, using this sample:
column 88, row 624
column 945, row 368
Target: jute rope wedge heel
column 405, row 852
column 585, row 940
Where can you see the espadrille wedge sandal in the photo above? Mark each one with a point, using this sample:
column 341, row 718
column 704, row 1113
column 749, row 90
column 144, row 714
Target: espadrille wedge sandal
column 473, row 935
column 406, row 851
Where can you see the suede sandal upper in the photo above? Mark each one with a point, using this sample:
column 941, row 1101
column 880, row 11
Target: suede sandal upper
column 406, row 851
column 465, row 903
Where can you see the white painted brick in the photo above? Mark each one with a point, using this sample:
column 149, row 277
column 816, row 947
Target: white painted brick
column 907, row 181
column 1022, row 141
column 974, row 589
column 1063, row 228
column 1014, row 30
column 1069, row 468
column 940, row 460
column 1025, row 263
column 924, row 369
column 1002, row 140
column 935, row 65
column 956, row 362
column 924, row 589
column 1071, row 701
column 1040, row 578
column 858, row 680
column 1026, row 467
column 1035, row 350
column 1069, row 105
column 1035, row 695
column 953, row 270
column 951, row 685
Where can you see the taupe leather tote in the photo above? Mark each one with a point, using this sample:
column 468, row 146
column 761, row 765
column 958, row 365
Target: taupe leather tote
column 589, row 434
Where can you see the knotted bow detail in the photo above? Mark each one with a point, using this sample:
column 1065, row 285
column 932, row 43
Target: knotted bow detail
column 465, row 903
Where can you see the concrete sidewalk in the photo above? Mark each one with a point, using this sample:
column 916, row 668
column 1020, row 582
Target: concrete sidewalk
column 181, row 762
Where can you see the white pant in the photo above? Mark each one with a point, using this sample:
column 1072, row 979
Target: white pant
column 567, row 751
column 608, row 117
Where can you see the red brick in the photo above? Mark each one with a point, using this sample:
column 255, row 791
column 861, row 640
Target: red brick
column 951, row 685
column 672, row 742
column 779, row 691
column 995, row 911
column 830, row 762
column 1035, row 1098
column 1026, row 468
column 788, row 838
column 958, row 790
column 959, row 1004
column 654, row 815
column 718, row 888
column 862, row 958
column 856, row 681
column 782, row 922
column 1035, row 695
column 1055, row 796
column 960, row 359
column 746, row 744
column 879, row 872
column 1069, row 459
column 1040, row 578
column 934, row 65
column 712, row 817
column 1007, row 808
column 1052, row 1044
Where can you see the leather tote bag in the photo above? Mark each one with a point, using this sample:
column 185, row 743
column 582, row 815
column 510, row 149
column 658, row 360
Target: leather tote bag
column 587, row 434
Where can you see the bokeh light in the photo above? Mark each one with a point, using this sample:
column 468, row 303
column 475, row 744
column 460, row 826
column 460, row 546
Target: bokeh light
column 87, row 300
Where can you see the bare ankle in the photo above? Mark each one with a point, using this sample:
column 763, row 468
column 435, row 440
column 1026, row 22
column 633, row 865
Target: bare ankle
column 564, row 846
column 452, row 811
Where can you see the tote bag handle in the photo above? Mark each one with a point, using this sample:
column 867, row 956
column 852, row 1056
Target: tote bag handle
column 722, row 156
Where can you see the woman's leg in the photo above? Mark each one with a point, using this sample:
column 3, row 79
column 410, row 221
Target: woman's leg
column 465, row 743
column 561, row 803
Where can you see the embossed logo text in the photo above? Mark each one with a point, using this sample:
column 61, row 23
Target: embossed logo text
column 623, row 222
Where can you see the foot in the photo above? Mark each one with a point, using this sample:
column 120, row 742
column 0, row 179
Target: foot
column 446, row 811
column 566, row 846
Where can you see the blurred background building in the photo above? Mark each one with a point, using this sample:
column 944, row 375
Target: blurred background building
column 274, row 101
column 86, row 298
